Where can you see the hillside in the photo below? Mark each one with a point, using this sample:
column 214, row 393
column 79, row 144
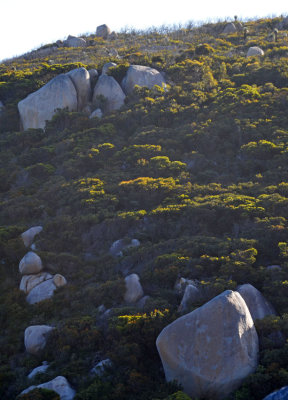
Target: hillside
column 191, row 178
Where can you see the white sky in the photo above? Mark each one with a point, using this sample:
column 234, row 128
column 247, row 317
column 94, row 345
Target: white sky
column 27, row 24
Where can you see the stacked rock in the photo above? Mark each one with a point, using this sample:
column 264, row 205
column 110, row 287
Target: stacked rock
column 36, row 283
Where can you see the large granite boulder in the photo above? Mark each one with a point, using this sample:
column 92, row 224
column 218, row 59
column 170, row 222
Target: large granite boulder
column 110, row 89
column 191, row 295
column 73, row 41
column 134, row 289
column 30, row 264
column 81, row 79
column 59, row 384
column 39, row 370
column 40, row 106
column 103, row 31
column 141, row 76
column 35, row 338
column 28, row 282
column 229, row 28
column 281, row 394
column 258, row 306
column 28, row 236
column 43, row 291
column 255, row 51
column 212, row 349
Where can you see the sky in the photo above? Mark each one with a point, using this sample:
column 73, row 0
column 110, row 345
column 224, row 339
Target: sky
column 25, row 25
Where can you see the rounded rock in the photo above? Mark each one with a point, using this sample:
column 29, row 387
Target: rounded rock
column 134, row 290
column 211, row 350
column 59, row 280
column 35, row 338
column 30, row 264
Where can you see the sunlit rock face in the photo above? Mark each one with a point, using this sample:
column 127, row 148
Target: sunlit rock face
column 110, row 89
column 142, row 76
column 258, row 306
column 40, row 106
column 212, row 349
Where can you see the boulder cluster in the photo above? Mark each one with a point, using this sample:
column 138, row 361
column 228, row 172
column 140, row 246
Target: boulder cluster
column 82, row 90
column 36, row 283
column 210, row 350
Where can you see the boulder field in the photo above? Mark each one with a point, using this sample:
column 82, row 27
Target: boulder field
column 75, row 90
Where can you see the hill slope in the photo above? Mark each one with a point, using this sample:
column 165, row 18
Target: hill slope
column 197, row 173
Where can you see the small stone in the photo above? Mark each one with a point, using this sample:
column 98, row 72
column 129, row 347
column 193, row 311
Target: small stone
column 106, row 67
column 96, row 114
column 255, row 51
column 59, row 280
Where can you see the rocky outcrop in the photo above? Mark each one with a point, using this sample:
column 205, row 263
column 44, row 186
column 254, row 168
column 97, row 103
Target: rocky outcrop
column 258, row 306
column 229, row 28
column 81, row 79
column 28, row 282
column 110, row 89
column 119, row 245
column 73, row 41
column 59, row 384
column 35, row 338
column 39, row 370
column 255, row 51
column 281, row 394
column 142, row 76
column 28, row 236
column 191, row 295
column 106, row 67
column 37, row 284
column 43, row 291
column 103, row 31
column 40, row 106
column 212, row 349
column 134, row 290
column 30, row 264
